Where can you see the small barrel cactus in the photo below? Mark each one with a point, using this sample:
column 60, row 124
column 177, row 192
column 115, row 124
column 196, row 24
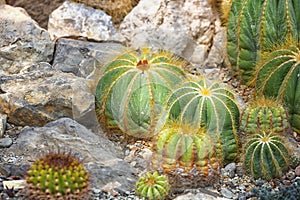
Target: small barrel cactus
column 187, row 156
column 264, row 114
column 212, row 105
column 255, row 26
column 278, row 76
column 116, row 9
column 57, row 176
column 134, row 87
column 153, row 186
column 266, row 155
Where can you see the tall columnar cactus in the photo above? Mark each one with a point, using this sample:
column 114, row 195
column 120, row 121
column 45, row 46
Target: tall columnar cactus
column 266, row 155
column 187, row 155
column 57, row 176
column 134, row 87
column 278, row 76
column 264, row 114
column 255, row 26
column 212, row 105
column 117, row 9
column 153, row 186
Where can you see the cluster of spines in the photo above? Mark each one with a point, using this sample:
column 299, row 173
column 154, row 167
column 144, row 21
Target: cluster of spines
column 57, row 176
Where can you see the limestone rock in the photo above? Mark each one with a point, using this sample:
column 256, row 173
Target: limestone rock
column 72, row 19
column 84, row 58
column 22, row 41
column 188, row 31
column 39, row 96
column 102, row 157
column 3, row 119
column 198, row 196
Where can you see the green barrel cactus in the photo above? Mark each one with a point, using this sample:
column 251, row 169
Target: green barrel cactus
column 278, row 76
column 188, row 156
column 264, row 114
column 212, row 105
column 57, row 176
column 134, row 87
column 153, row 186
column 255, row 26
column 266, row 155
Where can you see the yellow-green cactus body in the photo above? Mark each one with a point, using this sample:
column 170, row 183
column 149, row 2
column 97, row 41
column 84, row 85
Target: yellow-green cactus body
column 153, row 186
column 266, row 155
column 134, row 87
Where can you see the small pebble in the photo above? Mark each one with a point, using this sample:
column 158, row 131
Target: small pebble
column 5, row 142
column 227, row 193
column 290, row 175
column 230, row 169
column 297, row 171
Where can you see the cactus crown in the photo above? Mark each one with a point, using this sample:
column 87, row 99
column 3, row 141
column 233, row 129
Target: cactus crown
column 153, row 186
column 56, row 176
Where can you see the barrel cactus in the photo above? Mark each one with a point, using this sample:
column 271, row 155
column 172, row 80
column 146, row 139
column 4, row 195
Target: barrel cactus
column 255, row 26
column 153, row 186
column 278, row 76
column 212, row 105
column 266, row 155
column 57, row 176
column 264, row 114
column 133, row 88
column 187, row 155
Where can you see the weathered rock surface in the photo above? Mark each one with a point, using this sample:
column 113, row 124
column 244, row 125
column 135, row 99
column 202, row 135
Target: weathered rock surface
column 84, row 58
column 3, row 119
column 42, row 94
column 102, row 158
column 188, row 31
column 22, row 41
column 72, row 19
column 198, row 196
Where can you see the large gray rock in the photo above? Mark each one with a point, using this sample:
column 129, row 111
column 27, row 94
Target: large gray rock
column 84, row 58
column 199, row 196
column 22, row 41
column 73, row 19
column 185, row 27
column 42, row 94
column 102, row 157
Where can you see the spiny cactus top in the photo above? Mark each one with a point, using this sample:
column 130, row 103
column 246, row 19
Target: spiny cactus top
column 255, row 26
column 134, row 87
column 117, row 9
column 278, row 76
column 153, row 186
column 187, row 155
column 266, row 155
column 57, row 176
column 201, row 103
column 264, row 114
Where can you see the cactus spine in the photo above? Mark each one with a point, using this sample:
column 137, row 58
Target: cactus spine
column 264, row 114
column 266, row 155
column 153, row 186
column 134, row 87
column 254, row 26
column 57, row 176
column 187, row 156
column 212, row 105
column 278, row 76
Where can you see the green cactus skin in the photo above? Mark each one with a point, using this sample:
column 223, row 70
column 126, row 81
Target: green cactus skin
column 264, row 114
column 153, row 186
column 187, row 156
column 134, row 87
column 266, row 156
column 213, row 105
column 117, row 9
column 255, row 26
column 279, row 77
column 57, row 176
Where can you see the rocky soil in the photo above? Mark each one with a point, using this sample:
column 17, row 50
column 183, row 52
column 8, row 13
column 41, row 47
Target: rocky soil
column 47, row 81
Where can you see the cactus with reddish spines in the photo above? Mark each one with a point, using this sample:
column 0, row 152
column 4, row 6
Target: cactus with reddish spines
column 200, row 102
column 153, row 186
column 264, row 114
column 57, row 176
column 188, row 156
column 266, row 155
column 134, row 87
